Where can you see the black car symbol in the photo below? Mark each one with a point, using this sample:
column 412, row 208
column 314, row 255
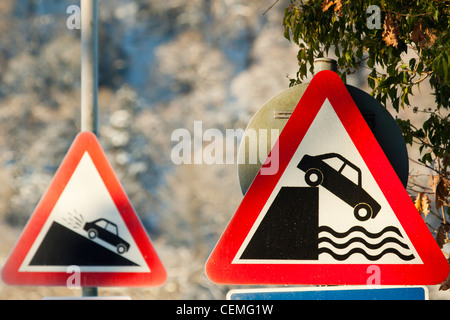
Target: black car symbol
column 318, row 172
column 107, row 231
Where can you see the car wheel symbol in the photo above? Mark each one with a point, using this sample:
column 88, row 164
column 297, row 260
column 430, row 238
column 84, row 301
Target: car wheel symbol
column 121, row 248
column 92, row 234
column 362, row 211
column 313, row 177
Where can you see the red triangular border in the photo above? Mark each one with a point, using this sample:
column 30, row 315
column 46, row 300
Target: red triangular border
column 327, row 85
column 84, row 142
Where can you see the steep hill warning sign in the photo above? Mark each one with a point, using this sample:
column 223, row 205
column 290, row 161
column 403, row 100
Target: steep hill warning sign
column 84, row 219
column 334, row 208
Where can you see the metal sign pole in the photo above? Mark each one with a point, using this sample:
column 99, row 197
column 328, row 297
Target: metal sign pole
column 89, row 65
column 89, row 80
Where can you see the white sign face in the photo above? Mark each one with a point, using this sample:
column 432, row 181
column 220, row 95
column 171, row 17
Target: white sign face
column 85, row 229
column 340, row 208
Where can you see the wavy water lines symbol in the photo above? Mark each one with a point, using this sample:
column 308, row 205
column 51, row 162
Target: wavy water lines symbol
column 356, row 240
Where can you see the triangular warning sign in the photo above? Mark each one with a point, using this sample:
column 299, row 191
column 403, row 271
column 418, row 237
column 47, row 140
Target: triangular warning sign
column 334, row 212
column 84, row 223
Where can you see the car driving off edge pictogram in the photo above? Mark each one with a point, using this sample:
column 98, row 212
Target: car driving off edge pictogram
column 318, row 172
column 108, row 232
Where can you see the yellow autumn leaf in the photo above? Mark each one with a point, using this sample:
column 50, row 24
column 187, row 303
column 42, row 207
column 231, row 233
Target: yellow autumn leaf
column 327, row 4
column 422, row 203
column 338, row 6
column 418, row 202
column 391, row 31
column 425, row 205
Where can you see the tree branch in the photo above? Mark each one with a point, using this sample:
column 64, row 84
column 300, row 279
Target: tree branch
column 270, row 7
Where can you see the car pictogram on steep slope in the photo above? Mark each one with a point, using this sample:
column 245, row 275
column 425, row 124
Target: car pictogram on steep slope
column 108, row 232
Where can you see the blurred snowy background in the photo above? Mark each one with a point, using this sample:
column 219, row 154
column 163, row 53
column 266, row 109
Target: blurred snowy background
column 163, row 65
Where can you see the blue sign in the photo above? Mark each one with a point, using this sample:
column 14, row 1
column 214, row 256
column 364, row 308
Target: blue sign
column 332, row 293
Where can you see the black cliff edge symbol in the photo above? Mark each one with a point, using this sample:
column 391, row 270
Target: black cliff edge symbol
column 62, row 246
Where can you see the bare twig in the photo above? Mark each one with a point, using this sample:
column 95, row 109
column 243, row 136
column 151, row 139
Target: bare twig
column 426, row 75
column 270, row 7
column 431, row 227
column 409, row 15
column 422, row 164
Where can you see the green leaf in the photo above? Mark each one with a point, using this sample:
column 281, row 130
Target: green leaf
column 412, row 63
column 371, row 82
column 303, row 70
column 419, row 67
column 445, row 68
column 421, row 148
column 427, row 158
column 287, row 34
column 348, row 56
column 436, row 15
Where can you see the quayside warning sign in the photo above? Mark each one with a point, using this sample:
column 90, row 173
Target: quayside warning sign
column 334, row 208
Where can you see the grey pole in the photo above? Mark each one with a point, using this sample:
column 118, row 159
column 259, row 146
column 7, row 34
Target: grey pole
column 89, row 65
column 321, row 64
column 89, row 291
column 89, row 80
